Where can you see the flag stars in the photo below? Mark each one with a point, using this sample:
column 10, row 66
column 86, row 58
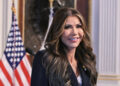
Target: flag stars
column 10, row 39
column 6, row 50
column 11, row 60
column 16, row 28
column 14, row 65
column 22, row 49
column 18, row 49
column 16, row 43
column 18, row 59
column 17, row 33
column 13, row 49
column 9, row 49
column 11, row 34
column 8, row 54
column 17, row 38
column 14, row 60
column 21, row 54
column 9, row 44
column 13, row 44
column 20, row 38
column 18, row 54
column 19, row 44
column 15, row 54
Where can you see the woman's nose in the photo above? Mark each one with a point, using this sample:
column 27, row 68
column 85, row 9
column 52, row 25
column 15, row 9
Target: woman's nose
column 74, row 30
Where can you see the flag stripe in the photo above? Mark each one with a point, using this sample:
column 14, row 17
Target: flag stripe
column 25, row 71
column 16, row 82
column 27, row 61
column 7, row 66
column 27, row 64
column 5, row 72
column 1, row 83
column 4, row 79
column 18, row 78
column 22, row 76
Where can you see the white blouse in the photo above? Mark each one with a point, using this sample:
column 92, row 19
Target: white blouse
column 79, row 80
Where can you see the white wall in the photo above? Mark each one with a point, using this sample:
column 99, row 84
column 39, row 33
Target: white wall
column 106, row 40
column 95, row 28
column 1, row 27
column 5, row 21
column 118, row 37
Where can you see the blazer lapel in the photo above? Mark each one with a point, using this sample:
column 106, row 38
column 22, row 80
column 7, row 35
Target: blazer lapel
column 73, row 77
column 84, row 76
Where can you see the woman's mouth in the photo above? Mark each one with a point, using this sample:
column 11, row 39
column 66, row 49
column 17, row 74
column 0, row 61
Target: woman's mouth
column 74, row 39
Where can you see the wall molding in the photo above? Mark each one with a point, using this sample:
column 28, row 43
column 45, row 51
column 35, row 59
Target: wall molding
column 109, row 77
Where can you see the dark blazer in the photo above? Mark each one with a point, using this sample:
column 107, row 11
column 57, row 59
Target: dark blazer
column 39, row 77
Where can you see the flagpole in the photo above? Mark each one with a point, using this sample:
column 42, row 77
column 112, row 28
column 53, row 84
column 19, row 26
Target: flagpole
column 13, row 13
column 50, row 21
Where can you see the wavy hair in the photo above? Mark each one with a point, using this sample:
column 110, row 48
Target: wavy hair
column 55, row 59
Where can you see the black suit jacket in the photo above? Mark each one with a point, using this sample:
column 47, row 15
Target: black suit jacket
column 39, row 77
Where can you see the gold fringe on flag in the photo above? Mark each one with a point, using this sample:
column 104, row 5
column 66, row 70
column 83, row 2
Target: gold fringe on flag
column 13, row 7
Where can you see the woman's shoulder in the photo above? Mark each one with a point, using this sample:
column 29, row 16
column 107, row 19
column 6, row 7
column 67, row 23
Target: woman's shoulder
column 40, row 53
column 38, row 58
column 38, row 71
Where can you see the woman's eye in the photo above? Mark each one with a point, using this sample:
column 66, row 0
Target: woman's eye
column 68, row 26
column 78, row 26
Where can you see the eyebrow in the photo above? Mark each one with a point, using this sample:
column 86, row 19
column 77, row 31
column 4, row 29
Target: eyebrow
column 75, row 24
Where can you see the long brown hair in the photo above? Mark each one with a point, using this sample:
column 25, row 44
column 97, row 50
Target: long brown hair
column 56, row 62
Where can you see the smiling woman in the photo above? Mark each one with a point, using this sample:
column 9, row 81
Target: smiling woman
column 68, row 59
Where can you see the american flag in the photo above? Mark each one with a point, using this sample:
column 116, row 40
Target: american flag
column 15, row 69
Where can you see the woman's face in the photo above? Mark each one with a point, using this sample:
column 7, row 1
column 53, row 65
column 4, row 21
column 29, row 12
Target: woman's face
column 73, row 32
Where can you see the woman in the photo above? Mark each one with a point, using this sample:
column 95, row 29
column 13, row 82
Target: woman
column 68, row 59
